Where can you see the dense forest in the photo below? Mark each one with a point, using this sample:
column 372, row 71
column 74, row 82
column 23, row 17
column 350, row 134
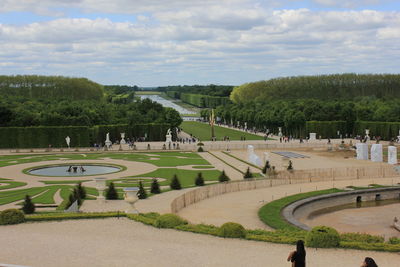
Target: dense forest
column 50, row 87
column 325, row 87
column 210, row 90
column 57, row 104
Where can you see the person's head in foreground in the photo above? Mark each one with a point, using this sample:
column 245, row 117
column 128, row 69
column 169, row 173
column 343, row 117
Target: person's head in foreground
column 369, row 262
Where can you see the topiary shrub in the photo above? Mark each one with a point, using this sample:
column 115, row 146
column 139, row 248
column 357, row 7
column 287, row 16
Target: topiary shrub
column 175, row 184
column 223, row 177
column 155, row 187
column 28, row 206
column 11, row 216
column 111, row 193
column 248, row 174
column 322, row 237
column 81, row 191
column 169, row 220
column 290, row 166
column 199, row 181
column 266, row 167
column 233, row 230
column 200, row 149
column 142, row 192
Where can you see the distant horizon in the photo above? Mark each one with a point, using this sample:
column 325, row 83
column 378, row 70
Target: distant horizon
column 226, row 42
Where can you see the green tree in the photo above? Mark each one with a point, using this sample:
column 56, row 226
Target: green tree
column 266, row 167
column 111, row 192
column 28, row 206
column 142, row 192
column 199, row 181
column 155, row 187
column 81, row 191
column 175, row 184
column 223, row 177
column 248, row 174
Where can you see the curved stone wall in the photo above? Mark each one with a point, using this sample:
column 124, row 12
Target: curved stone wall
column 304, row 207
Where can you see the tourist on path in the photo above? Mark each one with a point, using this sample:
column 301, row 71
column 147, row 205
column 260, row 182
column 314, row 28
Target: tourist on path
column 298, row 257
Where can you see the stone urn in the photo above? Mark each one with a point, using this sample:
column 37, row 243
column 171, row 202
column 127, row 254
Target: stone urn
column 100, row 186
column 130, row 196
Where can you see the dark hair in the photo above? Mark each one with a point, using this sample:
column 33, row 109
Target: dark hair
column 370, row 262
column 301, row 252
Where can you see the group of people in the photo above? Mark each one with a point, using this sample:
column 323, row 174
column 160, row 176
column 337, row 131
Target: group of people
column 298, row 257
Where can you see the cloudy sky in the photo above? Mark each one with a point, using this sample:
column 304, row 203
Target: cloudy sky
column 172, row 42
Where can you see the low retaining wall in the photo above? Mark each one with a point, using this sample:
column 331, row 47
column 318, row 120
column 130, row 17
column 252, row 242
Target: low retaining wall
column 305, row 207
column 282, row 178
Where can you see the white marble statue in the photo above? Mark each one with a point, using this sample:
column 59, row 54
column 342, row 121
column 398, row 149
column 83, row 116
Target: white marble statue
column 168, row 137
column 362, row 151
column 123, row 142
column 280, row 132
column 68, row 140
column 252, row 157
column 392, row 155
column 108, row 142
column 367, row 134
column 376, row 153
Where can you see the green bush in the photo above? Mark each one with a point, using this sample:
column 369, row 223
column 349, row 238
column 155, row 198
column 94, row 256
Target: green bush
column 146, row 218
column 81, row 191
column 155, row 187
column 371, row 246
column 266, row 167
column 11, row 216
column 200, row 149
column 199, row 229
column 169, row 220
column 73, row 216
column 199, row 181
column 142, row 192
column 322, row 237
column 223, row 177
column 231, row 229
column 358, row 237
column 394, row 241
column 28, row 206
column 175, row 184
column 111, row 192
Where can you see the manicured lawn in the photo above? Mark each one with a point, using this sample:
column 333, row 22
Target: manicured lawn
column 203, row 132
column 10, row 184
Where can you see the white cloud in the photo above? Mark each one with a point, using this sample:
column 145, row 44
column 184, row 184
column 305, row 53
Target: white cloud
column 220, row 44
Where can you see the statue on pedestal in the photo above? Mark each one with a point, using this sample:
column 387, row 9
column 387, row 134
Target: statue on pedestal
column 67, row 140
column 123, row 142
column 168, row 137
column 108, row 142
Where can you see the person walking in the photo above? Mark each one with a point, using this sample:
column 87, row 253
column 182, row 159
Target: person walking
column 298, row 257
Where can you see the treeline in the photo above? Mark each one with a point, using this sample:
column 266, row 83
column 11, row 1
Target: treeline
column 210, row 90
column 326, row 87
column 80, row 136
column 295, row 116
column 23, row 113
column 120, row 94
column 50, row 87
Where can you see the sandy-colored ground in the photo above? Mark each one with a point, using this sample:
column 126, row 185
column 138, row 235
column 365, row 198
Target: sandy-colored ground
column 371, row 220
column 121, row 242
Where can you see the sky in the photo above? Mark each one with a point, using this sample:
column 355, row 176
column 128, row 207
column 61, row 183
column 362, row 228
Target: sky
column 186, row 42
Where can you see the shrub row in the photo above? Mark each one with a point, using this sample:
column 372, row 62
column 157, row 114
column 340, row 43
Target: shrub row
column 81, row 136
column 73, row 216
column 11, row 216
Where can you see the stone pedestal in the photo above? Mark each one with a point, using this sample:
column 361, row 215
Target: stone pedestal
column 101, row 186
column 392, row 155
column 266, row 157
column 376, row 153
column 362, row 151
column 313, row 136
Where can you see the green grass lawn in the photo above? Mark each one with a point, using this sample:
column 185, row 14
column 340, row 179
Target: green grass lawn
column 203, row 132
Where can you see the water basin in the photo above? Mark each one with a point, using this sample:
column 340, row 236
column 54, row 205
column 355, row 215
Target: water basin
column 73, row 170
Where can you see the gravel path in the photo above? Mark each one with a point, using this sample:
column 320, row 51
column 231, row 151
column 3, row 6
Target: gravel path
column 121, row 242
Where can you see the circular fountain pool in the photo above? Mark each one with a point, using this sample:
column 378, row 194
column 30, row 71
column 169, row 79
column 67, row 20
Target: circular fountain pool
column 73, row 170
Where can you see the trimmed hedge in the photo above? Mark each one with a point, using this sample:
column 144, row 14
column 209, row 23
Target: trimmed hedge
column 327, row 129
column 232, row 230
column 169, row 220
column 386, row 130
column 81, row 136
column 73, row 216
column 204, row 101
column 11, row 216
column 322, row 237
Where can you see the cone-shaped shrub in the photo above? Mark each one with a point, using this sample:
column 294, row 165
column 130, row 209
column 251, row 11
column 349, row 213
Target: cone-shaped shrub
column 199, row 180
column 223, row 177
column 175, row 184
column 28, row 206
column 81, row 191
column 248, row 174
column 111, row 192
column 200, row 149
column 155, row 187
column 266, row 167
column 231, row 229
column 142, row 192
column 77, row 196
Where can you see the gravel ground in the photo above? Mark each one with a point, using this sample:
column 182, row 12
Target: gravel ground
column 121, row 242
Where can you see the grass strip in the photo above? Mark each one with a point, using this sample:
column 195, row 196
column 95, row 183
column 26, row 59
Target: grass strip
column 248, row 163
column 233, row 167
column 270, row 213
